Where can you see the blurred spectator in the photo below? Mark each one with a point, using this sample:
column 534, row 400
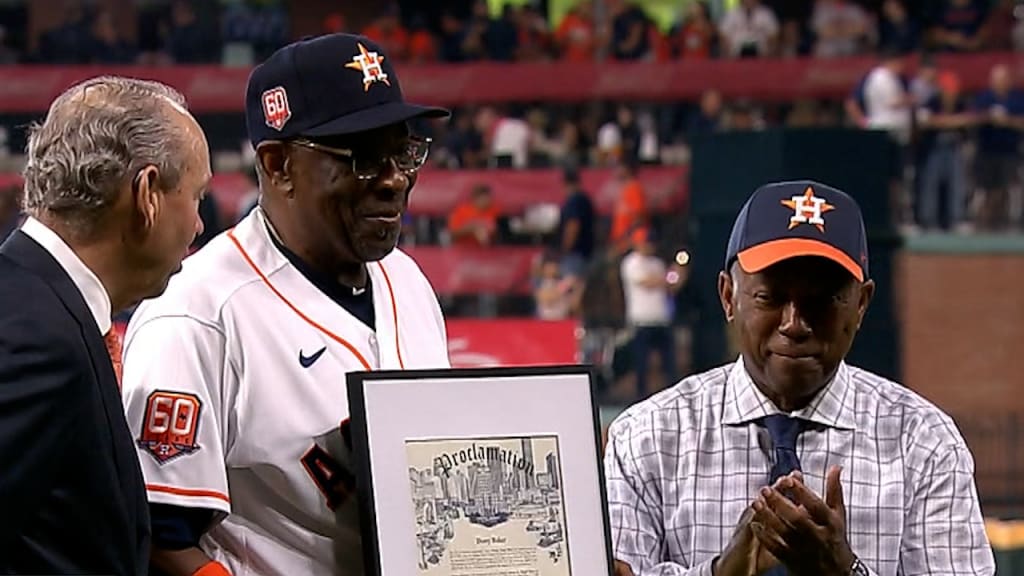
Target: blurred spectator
column 11, row 215
column 695, row 37
column 569, row 148
column 630, row 212
column 576, row 227
column 70, row 40
column 795, row 39
column 630, row 39
column 708, row 117
column 504, row 40
column 887, row 105
column 261, row 27
column 854, row 105
column 648, row 147
column 647, row 293
column 924, row 86
column 187, row 39
column 485, row 39
column 510, row 141
column 108, row 47
column 744, row 115
column 387, row 30
column 464, row 144
column 576, row 36
column 556, row 296
column 475, row 222
column 451, row 38
column 944, row 119
column 997, row 32
column 532, row 34
column 897, row 31
column 1001, row 114
column 959, row 25
column 422, row 47
column 619, row 138
column 749, row 30
column 841, row 28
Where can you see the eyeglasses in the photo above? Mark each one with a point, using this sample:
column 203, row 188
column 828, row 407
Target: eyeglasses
column 408, row 161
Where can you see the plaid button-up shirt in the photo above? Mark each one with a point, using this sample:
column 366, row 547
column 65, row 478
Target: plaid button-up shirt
column 683, row 465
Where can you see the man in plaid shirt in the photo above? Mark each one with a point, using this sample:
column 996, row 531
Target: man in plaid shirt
column 790, row 461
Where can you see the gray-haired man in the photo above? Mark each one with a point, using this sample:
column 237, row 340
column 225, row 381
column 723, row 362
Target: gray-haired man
column 113, row 180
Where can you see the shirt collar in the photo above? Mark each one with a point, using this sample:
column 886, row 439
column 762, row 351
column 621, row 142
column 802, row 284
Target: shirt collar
column 92, row 290
column 832, row 407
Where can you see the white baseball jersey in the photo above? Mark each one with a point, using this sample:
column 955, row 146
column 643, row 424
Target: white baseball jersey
column 234, row 385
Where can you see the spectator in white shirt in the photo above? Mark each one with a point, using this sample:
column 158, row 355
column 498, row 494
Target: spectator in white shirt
column 647, row 290
column 887, row 103
column 749, row 30
column 841, row 28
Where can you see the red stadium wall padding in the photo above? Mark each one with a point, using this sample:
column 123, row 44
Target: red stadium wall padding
column 505, row 342
column 511, row 342
column 216, row 89
column 461, row 270
column 438, row 191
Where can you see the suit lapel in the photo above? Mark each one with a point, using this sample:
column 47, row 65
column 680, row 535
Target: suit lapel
column 25, row 252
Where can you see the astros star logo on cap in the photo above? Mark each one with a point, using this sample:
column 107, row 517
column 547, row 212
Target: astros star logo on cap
column 369, row 63
column 807, row 209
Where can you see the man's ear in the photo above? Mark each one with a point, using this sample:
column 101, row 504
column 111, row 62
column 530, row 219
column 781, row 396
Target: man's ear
column 726, row 294
column 273, row 159
column 867, row 292
column 147, row 198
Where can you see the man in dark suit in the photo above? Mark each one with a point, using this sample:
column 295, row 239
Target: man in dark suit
column 113, row 180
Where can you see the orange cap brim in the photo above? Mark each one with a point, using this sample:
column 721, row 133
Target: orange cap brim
column 757, row 258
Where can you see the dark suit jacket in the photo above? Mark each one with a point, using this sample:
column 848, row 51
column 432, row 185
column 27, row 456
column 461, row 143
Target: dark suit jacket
column 72, row 498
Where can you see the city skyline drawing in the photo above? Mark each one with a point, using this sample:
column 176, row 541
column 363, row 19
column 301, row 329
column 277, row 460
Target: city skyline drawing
column 492, row 503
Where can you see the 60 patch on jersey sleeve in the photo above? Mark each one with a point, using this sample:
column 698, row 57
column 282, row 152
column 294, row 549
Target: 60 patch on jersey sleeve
column 170, row 424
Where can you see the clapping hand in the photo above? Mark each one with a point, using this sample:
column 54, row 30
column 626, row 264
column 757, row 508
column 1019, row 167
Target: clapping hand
column 806, row 534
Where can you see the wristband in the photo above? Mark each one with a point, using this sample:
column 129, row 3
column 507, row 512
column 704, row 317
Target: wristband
column 212, row 568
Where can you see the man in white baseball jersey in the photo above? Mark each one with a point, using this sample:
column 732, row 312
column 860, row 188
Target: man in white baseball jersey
column 234, row 379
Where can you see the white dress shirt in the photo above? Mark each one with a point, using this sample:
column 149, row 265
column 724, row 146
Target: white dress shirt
column 683, row 465
column 92, row 290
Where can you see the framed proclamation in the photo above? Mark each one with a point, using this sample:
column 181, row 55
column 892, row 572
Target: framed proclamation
column 480, row 472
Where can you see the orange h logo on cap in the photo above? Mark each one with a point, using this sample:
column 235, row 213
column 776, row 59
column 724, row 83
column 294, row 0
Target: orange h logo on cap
column 808, row 209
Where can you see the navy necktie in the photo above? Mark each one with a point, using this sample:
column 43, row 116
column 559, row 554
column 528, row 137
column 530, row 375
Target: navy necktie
column 784, row 431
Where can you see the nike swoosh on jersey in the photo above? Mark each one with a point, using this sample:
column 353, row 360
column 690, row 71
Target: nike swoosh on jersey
column 308, row 361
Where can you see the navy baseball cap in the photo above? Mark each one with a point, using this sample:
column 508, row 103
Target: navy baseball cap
column 800, row 218
column 326, row 86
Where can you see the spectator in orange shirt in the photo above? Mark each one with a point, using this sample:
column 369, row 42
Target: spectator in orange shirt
column 387, row 30
column 421, row 42
column 696, row 36
column 576, row 36
column 630, row 211
column 475, row 222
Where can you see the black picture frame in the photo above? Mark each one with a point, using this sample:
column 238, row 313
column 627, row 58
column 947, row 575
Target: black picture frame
column 356, row 383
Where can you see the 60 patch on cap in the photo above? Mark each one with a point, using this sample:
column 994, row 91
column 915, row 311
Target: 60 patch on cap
column 276, row 111
column 799, row 218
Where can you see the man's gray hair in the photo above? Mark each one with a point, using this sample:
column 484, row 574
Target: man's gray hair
column 96, row 136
